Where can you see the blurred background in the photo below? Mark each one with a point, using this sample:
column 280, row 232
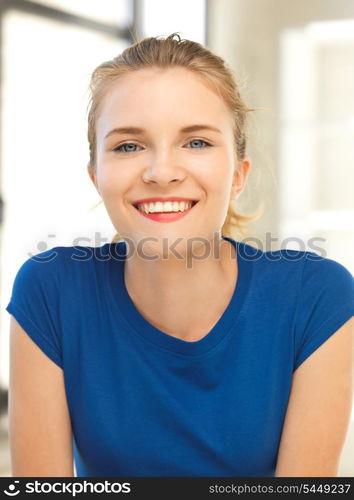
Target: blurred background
column 295, row 61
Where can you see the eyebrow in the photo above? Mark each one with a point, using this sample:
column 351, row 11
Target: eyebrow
column 139, row 131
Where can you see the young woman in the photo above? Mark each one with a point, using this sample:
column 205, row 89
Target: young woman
column 176, row 350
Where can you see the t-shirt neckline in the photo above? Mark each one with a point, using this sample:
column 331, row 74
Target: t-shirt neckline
column 228, row 320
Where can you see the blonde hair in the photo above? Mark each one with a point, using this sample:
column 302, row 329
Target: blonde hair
column 165, row 53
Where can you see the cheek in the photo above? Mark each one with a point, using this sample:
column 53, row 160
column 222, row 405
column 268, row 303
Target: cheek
column 218, row 180
column 111, row 179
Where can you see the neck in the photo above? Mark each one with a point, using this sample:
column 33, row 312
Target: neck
column 164, row 288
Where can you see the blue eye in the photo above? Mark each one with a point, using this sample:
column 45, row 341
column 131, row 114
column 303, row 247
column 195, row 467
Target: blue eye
column 119, row 150
column 198, row 140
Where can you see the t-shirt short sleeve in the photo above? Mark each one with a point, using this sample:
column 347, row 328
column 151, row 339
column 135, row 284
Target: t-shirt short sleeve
column 34, row 302
column 325, row 303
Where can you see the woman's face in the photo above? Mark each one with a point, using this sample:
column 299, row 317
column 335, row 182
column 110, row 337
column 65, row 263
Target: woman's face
column 161, row 160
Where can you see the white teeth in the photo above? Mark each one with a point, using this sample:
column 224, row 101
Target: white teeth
column 167, row 206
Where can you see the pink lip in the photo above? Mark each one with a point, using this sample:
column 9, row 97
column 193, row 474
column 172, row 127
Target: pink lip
column 152, row 200
column 165, row 217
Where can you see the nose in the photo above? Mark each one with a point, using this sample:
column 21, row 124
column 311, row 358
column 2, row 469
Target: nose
column 163, row 169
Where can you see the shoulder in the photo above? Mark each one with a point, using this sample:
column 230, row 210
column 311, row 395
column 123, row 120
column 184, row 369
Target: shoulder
column 39, row 267
column 57, row 264
column 311, row 268
column 328, row 279
column 326, row 270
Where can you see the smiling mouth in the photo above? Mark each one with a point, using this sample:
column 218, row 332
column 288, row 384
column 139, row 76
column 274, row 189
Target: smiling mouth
column 194, row 202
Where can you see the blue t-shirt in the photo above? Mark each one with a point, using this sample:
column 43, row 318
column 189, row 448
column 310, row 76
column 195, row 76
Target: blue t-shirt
column 145, row 403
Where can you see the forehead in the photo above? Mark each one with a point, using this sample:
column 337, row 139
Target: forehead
column 170, row 95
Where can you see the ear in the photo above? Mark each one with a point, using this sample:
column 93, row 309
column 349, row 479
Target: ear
column 92, row 175
column 242, row 169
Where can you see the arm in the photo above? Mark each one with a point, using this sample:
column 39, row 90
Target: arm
column 319, row 409
column 39, row 422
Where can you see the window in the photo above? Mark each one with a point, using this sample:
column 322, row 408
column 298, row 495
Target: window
column 317, row 136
